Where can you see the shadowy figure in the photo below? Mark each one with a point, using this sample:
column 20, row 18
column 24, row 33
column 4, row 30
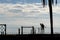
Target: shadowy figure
column 42, row 28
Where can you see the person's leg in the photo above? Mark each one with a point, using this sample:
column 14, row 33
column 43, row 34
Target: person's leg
column 42, row 31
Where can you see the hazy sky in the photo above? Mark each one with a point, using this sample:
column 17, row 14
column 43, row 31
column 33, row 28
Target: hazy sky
column 17, row 13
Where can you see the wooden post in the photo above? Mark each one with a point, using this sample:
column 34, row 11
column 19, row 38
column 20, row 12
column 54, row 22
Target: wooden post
column 33, row 29
column 21, row 29
column 5, row 29
column 18, row 31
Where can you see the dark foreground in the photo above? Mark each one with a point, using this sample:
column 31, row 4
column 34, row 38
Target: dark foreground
column 31, row 37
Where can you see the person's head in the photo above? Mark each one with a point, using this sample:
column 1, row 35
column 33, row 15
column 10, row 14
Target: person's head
column 41, row 23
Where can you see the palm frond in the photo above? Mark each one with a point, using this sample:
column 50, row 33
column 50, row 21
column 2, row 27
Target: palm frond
column 52, row 2
column 56, row 1
column 43, row 3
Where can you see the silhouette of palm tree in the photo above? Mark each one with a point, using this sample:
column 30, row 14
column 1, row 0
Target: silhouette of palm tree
column 52, row 2
column 51, row 15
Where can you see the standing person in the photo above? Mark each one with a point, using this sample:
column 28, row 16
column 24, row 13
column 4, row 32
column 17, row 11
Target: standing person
column 42, row 28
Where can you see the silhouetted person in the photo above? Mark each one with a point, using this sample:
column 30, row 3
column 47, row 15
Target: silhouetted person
column 42, row 28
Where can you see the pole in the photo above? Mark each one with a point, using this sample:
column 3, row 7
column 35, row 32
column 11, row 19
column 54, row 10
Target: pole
column 5, row 29
column 51, row 16
column 33, row 29
column 18, row 31
column 21, row 29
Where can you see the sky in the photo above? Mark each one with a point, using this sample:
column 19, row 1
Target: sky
column 17, row 13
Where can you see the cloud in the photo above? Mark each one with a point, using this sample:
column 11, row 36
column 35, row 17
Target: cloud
column 11, row 10
column 25, row 10
column 26, row 14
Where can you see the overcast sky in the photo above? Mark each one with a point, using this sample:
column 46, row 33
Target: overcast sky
column 17, row 13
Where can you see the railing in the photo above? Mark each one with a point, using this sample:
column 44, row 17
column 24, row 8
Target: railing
column 3, row 29
column 20, row 30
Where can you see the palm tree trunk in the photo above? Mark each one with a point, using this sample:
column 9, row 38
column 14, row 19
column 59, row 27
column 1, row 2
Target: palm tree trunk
column 51, row 16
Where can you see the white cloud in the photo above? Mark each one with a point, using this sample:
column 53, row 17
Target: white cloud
column 19, row 11
column 11, row 10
